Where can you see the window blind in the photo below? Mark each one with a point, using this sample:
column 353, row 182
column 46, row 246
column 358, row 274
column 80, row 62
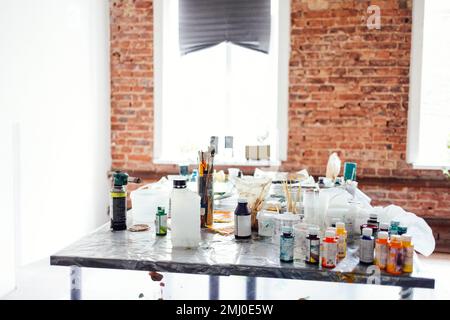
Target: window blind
column 206, row 23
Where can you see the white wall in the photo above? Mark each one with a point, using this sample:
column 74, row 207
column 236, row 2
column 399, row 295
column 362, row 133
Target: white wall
column 54, row 85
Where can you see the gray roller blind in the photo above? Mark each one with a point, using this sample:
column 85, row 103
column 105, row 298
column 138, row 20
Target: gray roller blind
column 205, row 23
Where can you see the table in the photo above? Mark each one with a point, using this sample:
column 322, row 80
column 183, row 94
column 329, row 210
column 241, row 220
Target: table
column 216, row 256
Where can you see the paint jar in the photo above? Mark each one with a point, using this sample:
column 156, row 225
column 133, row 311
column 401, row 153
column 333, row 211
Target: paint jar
column 408, row 253
column 381, row 249
column 329, row 253
column 300, row 232
column 366, row 246
column 395, row 256
column 341, row 235
column 266, row 223
column 393, row 229
column 287, row 219
column 242, row 220
column 313, row 246
column 287, row 241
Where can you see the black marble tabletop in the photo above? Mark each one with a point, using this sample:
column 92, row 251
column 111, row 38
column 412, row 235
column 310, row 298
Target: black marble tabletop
column 216, row 255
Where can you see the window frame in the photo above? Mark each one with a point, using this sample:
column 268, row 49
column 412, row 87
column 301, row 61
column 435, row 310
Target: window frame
column 415, row 90
column 284, row 50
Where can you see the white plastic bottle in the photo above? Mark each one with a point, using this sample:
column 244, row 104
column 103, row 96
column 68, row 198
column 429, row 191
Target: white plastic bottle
column 185, row 215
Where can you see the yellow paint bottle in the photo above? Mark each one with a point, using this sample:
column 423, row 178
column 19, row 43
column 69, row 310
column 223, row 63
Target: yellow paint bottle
column 408, row 253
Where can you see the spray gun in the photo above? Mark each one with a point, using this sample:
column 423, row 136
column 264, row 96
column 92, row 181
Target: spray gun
column 118, row 205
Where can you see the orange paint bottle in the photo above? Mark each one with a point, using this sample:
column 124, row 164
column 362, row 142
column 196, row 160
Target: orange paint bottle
column 395, row 256
column 329, row 254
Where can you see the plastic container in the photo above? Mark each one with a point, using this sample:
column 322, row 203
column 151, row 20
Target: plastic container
column 366, row 246
column 287, row 241
column 266, row 223
column 300, row 232
column 242, row 220
column 408, row 253
column 395, row 256
column 185, row 213
column 145, row 203
column 313, row 246
column 329, row 254
column 287, row 219
column 381, row 249
column 341, row 234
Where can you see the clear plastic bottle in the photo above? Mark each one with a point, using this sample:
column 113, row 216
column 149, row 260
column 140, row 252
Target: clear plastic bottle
column 185, row 215
column 301, row 232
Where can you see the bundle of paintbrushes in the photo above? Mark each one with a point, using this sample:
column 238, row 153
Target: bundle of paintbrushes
column 205, row 186
column 292, row 196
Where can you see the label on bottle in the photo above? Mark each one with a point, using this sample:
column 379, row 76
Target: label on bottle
column 242, row 226
column 395, row 260
column 341, row 246
column 161, row 225
column 118, row 210
column 329, row 254
column 300, row 246
column 313, row 251
column 286, row 249
column 408, row 254
column 366, row 250
column 381, row 253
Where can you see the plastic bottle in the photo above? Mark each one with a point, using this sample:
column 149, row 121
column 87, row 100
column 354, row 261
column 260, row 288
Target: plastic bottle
column 372, row 223
column 287, row 244
column 402, row 230
column 384, row 227
column 329, row 249
column 313, row 246
column 161, row 222
column 408, row 253
column 242, row 220
column 301, row 232
column 366, row 246
column 395, row 256
column 381, row 249
column 341, row 234
column 185, row 215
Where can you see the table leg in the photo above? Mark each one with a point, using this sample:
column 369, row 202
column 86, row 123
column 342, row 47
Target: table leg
column 406, row 293
column 250, row 288
column 75, row 283
column 214, row 287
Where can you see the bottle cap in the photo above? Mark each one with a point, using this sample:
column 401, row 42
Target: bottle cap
column 160, row 208
column 395, row 238
column 367, row 232
column 179, row 183
column 330, row 233
column 313, row 230
column 384, row 226
column 406, row 238
column 286, row 230
column 242, row 200
column 395, row 223
column 383, row 235
column 373, row 215
column 340, row 225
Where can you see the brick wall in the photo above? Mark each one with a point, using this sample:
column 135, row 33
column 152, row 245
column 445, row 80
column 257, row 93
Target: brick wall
column 348, row 93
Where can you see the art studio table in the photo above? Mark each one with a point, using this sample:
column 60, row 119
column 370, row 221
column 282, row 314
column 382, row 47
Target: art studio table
column 216, row 256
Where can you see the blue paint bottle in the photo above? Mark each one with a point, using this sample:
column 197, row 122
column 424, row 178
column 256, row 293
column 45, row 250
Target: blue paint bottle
column 287, row 244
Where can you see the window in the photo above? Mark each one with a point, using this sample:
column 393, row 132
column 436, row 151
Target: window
column 429, row 107
column 223, row 90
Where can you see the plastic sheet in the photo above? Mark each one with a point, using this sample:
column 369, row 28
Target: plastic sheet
column 216, row 255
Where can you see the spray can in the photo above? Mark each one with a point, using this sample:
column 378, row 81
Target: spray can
column 287, row 244
column 366, row 246
column 118, row 200
column 161, row 222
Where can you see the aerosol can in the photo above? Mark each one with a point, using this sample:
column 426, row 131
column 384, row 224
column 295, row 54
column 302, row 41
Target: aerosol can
column 118, row 204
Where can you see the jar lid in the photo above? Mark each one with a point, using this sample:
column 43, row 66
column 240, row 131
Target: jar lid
column 384, row 225
column 313, row 230
column 330, row 233
column 406, row 238
column 340, row 225
column 179, row 183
